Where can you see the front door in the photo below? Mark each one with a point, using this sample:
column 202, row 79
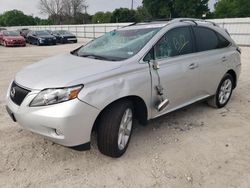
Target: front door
column 178, row 69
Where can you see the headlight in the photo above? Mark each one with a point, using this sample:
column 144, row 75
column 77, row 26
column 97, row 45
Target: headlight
column 54, row 96
column 41, row 39
column 54, row 38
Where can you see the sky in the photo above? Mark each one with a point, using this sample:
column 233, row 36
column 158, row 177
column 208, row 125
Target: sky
column 30, row 7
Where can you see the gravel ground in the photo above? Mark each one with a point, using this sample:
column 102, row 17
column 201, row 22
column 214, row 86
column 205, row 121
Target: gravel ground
column 194, row 147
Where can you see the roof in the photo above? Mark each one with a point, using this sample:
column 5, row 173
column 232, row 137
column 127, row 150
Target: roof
column 163, row 23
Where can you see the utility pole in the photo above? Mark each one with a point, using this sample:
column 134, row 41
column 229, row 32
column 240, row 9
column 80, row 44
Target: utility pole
column 132, row 5
column 85, row 14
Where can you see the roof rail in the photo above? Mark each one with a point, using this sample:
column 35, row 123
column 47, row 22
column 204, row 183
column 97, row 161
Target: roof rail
column 194, row 20
column 159, row 20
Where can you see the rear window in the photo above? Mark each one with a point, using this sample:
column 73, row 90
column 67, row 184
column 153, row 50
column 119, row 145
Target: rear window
column 222, row 41
column 207, row 39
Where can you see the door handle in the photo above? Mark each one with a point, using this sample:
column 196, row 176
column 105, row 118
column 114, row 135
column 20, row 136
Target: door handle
column 224, row 59
column 193, row 66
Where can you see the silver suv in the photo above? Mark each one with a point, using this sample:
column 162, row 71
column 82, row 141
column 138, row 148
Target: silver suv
column 141, row 71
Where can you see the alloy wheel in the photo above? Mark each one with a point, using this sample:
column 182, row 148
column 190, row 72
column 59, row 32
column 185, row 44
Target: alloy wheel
column 225, row 91
column 125, row 129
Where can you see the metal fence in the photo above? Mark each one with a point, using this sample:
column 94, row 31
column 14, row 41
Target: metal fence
column 239, row 28
column 81, row 31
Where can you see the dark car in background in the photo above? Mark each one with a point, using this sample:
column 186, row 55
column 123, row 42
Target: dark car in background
column 63, row 36
column 11, row 38
column 41, row 38
column 24, row 32
column 49, row 31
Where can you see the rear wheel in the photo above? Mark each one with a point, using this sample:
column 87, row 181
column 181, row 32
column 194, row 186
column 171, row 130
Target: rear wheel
column 224, row 92
column 115, row 128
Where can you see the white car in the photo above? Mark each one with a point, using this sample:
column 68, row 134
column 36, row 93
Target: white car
column 141, row 71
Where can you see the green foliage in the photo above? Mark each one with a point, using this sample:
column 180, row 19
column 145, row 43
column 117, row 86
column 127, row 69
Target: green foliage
column 18, row 18
column 232, row 8
column 176, row 8
column 142, row 14
column 158, row 8
column 15, row 18
column 123, row 15
column 102, row 17
column 191, row 8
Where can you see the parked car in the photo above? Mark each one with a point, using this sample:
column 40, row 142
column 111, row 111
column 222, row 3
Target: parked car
column 141, row 71
column 63, row 36
column 41, row 38
column 24, row 32
column 49, row 31
column 11, row 38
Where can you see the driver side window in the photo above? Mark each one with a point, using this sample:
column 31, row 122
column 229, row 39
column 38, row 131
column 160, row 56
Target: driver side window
column 175, row 42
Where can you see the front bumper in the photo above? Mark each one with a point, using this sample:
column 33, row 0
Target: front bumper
column 69, row 123
column 48, row 42
column 15, row 43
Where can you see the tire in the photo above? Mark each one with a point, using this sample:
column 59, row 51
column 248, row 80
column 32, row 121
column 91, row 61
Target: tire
column 111, row 130
column 216, row 101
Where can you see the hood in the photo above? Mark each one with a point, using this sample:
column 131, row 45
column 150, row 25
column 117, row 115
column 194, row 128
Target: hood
column 13, row 37
column 62, row 71
column 68, row 35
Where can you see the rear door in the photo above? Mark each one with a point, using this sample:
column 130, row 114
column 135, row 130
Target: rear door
column 179, row 69
column 213, row 54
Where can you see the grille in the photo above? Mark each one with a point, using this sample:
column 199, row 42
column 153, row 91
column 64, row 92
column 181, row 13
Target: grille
column 17, row 93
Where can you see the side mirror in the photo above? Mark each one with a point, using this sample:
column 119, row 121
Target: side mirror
column 156, row 65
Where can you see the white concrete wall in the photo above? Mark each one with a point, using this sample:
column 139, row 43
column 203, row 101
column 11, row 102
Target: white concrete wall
column 239, row 28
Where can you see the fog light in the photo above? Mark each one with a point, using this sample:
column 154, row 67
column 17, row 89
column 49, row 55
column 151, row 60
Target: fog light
column 58, row 132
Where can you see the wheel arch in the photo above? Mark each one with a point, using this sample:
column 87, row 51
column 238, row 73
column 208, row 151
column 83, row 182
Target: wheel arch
column 233, row 74
column 141, row 111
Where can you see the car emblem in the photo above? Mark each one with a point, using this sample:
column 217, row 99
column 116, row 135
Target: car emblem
column 12, row 92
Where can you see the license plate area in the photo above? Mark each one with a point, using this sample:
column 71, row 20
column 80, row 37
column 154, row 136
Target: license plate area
column 11, row 114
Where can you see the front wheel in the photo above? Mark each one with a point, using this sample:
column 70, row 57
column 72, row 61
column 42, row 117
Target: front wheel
column 115, row 128
column 38, row 43
column 224, row 92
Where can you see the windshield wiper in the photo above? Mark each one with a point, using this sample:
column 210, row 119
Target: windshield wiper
column 93, row 56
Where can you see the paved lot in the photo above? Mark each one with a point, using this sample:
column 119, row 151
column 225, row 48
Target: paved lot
column 194, row 147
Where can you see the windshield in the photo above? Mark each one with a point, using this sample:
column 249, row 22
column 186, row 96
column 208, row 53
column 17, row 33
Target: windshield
column 118, row 45
column 10, row 33
column 42, row 33
column 62, row 32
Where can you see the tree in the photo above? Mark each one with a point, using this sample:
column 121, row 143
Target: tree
column 16, row 18
column 64, row 11
column 191, row 8
column 123, row 15
column 102, row 17
column 232, row 8
column 176, row 8
column 158, row 8
column 142, row 14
